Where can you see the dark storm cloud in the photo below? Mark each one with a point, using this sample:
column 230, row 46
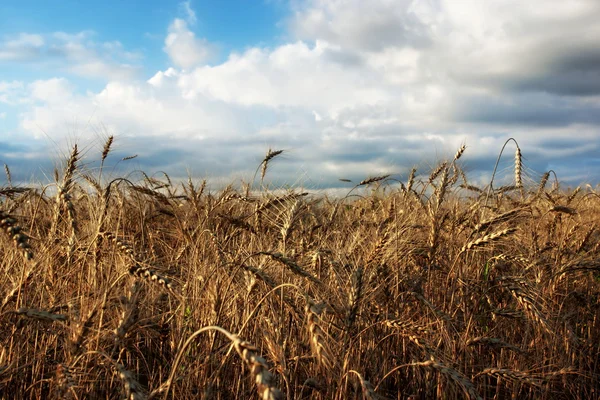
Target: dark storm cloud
column 6, row 147
column 588, row 148
column 26, row 163
column 576, row 72
column 538, row 110
column 556, row 68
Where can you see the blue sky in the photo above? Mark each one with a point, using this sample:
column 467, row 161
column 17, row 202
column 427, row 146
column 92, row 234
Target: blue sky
column 347, row 88
column 233, row 23
column 140, row 26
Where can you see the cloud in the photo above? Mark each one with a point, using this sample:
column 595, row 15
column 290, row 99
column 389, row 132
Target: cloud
column 11, row 92
column 356, row 91
column 186, row 9
column 511, row 47
column 353, row 25
column 23, row 47
column 76, row 53
column 183, row 47
column 55, row 90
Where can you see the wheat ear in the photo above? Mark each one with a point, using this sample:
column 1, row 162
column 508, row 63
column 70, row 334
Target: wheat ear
column 460, row 379
column 492, row 237
column 367, row 388
column 264, row 379
column 318, row 342
column 518, row 167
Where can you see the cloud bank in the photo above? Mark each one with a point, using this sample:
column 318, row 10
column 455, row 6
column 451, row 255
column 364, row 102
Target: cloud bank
column 355, row 91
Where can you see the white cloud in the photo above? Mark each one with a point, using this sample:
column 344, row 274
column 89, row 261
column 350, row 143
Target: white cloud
column 292, row 75
column 186, row 9
column 358, row 90
column 11, row 92
column 52, row 91
column 183, row 47
column 25, row 39
column 84, row 57
column 98, row 68
column 2, row 115
column 77, row 53
column 23, row 47
column 354, row 24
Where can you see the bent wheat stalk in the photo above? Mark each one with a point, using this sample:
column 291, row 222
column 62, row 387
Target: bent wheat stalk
column 265, row 381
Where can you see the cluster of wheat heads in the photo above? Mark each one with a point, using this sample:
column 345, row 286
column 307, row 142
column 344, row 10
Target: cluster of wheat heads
column 424, row 287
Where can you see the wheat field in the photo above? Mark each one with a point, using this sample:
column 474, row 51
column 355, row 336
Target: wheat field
column 424, row 287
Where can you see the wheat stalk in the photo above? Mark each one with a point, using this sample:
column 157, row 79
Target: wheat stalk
column 265, row 381
column 460, row 379
column 367, row 388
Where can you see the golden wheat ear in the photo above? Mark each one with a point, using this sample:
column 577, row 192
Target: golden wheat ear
column 14, row 231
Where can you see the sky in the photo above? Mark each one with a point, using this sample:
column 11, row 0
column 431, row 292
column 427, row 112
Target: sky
column 348, row 88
